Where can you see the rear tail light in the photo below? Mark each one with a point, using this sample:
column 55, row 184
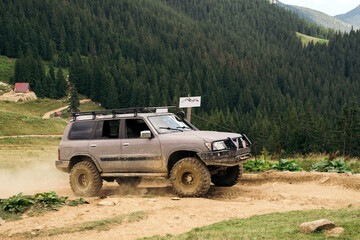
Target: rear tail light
column 58, row 154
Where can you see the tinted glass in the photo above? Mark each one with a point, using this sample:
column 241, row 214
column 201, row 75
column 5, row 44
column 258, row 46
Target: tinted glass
column 81, row 130
column 134, row 127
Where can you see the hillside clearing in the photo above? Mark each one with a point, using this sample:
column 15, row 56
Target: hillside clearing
column 305, row 39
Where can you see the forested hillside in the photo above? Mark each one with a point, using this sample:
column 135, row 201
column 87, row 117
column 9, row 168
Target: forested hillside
column 242, row 56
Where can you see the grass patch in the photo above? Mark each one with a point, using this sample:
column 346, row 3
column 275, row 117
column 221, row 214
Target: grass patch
column 99, row 225
column 305, row 39
column 36, row 108
column 17, row 124
column 18, row 153
column 276, row 226
column 7, row 66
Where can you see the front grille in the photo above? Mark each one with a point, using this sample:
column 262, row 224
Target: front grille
column 236, row 143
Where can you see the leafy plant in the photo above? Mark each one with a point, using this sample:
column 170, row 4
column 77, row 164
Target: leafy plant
column 50, row 200
column 331, row 166
column 13, row 207
column 256, row 165
column 286, row 165
column 17, row 203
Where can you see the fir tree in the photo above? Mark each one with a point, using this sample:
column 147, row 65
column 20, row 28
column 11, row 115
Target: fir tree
column 74, row 102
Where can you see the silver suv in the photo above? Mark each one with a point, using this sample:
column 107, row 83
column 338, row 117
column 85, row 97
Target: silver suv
column 124, row 145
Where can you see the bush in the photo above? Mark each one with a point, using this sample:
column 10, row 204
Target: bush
column 15, row 206
column 50, row 200
column 286, row 165
column 332, row 166
column 256, row 165
column 17, row 203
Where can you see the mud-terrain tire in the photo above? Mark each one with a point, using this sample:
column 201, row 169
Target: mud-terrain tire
column 189, row 177
column 229, row 177
column 128, row 181
column 85, row 179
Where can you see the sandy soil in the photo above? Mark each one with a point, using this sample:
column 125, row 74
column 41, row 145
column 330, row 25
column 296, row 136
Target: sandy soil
column 256, row 194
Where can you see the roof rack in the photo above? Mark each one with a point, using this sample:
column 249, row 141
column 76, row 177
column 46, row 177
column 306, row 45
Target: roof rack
column 135, row 110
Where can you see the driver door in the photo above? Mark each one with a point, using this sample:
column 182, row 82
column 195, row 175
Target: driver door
column 139, row 154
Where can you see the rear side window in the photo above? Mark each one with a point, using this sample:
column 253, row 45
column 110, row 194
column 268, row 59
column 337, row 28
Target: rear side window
column 81, row 130
column 107, row 129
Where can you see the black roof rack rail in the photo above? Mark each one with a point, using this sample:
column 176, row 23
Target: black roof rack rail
column 135, row 110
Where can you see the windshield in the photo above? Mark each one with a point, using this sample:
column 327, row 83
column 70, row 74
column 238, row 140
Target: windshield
column 168, row 123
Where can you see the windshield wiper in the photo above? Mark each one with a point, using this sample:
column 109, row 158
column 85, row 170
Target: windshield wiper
column 184, row 127
column 169, row 128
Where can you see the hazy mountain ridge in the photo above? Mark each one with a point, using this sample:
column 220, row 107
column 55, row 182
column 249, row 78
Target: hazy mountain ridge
column 351, row 17
column 318, row 17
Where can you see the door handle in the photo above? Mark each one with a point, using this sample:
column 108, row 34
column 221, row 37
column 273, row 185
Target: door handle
column 126, row 144
column 93, row 145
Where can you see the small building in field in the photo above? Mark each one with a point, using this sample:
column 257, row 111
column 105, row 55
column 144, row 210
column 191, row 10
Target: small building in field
column 22, row 87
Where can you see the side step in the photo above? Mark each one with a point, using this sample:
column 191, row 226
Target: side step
column 140, row 174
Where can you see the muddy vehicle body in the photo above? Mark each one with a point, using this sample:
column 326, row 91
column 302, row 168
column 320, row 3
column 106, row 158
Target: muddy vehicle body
column 124, row 145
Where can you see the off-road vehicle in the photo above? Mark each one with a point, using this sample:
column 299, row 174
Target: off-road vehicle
column 124, row 145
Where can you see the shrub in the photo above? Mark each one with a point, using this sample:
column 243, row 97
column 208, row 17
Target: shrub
column 331, row 166
column 50, row 200
column 286, row 165
column 17, row 203
column 15, row 206
column 256, row 165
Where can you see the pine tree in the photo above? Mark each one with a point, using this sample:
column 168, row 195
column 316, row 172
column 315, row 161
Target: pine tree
column 74, row 102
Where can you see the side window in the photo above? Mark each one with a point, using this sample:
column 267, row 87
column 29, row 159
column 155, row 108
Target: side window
column 107, row 129
column 81, row 130
column 134, row 127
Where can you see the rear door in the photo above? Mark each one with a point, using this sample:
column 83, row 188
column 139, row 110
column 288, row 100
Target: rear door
column 106, row 145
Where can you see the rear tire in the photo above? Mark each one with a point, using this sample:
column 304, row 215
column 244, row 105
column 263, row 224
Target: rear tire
column 128, row 181
column 189, row 177
column 85, row 179
column 228, row 177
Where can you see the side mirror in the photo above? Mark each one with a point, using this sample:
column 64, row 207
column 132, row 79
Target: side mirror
column 181, row 115
column 145, row 134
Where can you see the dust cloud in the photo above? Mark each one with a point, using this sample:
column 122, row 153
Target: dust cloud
column 34, row 178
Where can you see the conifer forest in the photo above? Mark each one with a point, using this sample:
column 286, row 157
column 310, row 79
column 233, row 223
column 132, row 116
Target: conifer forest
column 243, row 58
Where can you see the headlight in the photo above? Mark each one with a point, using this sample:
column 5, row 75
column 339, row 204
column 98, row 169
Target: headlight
column 216, row 146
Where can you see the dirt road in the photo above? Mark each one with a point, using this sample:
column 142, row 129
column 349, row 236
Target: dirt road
column 48, row 114
column 256, row 194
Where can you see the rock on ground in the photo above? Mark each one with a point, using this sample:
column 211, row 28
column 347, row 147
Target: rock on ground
column 310, row 227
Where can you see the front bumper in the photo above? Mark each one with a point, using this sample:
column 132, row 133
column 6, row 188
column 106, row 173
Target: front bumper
column 226, row 157
column 62, row 165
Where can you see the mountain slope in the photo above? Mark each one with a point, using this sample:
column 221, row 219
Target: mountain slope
column 319, row 18
column 352, row 17
column 242, row 56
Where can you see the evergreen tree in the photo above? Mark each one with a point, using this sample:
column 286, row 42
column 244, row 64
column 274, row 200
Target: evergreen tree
column 74, row 102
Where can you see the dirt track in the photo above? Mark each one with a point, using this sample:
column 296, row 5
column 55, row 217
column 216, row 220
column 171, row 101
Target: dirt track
column 256, row 194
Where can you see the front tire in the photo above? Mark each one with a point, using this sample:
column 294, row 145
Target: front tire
column 229, row 177
column 85, row 179
column 190, row 178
